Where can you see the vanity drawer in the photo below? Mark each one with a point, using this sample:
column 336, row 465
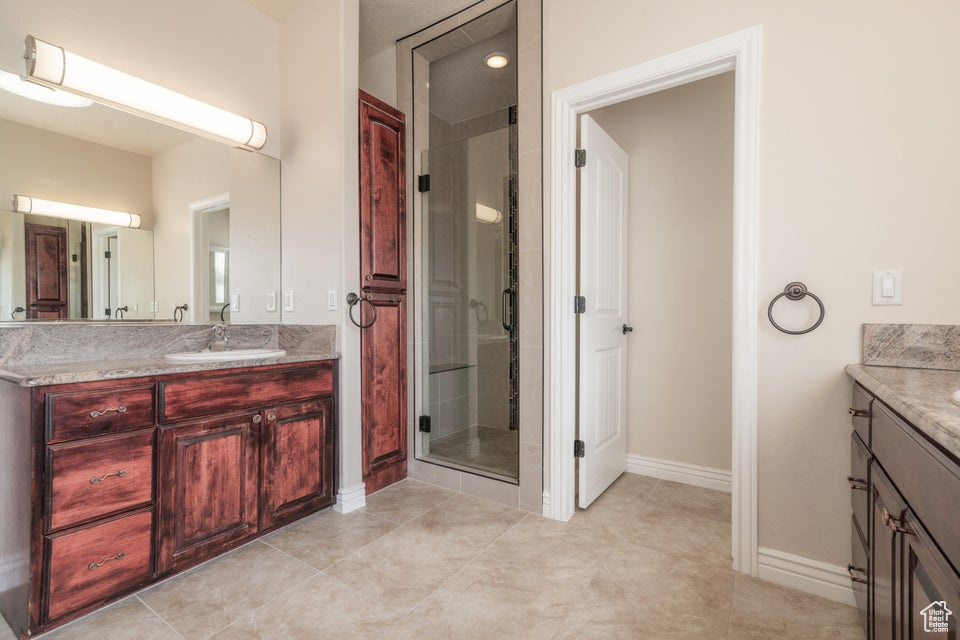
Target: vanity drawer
column 926, row 478
column 859, row 482
column 94, row 478
column 91, row 565
column 861, row 414
column 82, row 413
column 191, row 398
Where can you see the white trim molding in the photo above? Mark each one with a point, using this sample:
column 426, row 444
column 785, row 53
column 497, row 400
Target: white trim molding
column 738, row 51
column 803, row 574
column 716, row 479
column 351, row 498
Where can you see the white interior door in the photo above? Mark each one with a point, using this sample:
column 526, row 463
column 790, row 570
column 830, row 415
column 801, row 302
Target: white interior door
column 603, row 282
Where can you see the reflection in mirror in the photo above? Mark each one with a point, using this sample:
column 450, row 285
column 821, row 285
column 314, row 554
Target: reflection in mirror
column 184, row 251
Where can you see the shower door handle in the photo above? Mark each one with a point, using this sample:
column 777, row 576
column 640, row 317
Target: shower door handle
column 506, row 301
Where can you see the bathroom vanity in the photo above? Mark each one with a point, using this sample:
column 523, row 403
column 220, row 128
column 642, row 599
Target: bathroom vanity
column 905, row 493
column 113, row 484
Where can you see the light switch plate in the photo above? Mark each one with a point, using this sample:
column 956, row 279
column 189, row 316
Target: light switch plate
column 892, row 293
column 234, row 302
column 331, row 300
column 288, row 300
column 271, row 301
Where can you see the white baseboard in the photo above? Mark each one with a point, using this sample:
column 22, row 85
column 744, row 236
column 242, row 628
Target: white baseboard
column 803, row 574
column 698, row 476
column 351, row 498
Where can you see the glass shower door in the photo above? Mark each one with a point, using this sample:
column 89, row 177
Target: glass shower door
column 469, row 305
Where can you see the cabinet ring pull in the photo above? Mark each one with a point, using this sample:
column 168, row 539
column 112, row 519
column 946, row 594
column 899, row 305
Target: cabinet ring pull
column 103, row 412
column 98, row 480
column 97, row 565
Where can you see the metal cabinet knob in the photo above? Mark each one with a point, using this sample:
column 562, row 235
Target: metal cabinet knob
column 257, row 419
column 271, row 416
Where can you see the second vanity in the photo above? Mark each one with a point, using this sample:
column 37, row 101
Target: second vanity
column 905, row 490
column 113, row 484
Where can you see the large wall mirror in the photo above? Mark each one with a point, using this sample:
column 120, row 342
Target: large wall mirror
column 209, row 232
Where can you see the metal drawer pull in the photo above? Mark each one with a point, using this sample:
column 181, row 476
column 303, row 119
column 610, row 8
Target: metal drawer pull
column 97, row 565
column 103, row 412
column 856, row 574
column 98, row 480
column 894, row 523
column 859, row 413
column 858, row 484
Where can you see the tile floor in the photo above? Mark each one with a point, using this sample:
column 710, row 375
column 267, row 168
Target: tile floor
column 648, row 560
column 479, row 447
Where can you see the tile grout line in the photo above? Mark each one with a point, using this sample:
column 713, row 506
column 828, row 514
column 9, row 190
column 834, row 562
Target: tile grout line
column 160, row 617
column 265, row 603
column 458, row 571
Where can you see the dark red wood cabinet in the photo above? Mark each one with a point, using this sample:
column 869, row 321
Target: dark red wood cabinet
column 46, row 257
column 383, row 274
column 125, row 482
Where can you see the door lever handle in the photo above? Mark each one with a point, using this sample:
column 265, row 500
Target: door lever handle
column 627, row 329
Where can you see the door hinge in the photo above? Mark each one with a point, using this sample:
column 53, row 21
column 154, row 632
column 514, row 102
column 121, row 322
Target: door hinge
column 423, row 183
column 425, row 424
column 106, row 254
column 579, row 449
column 579, row 158
column 579, row 304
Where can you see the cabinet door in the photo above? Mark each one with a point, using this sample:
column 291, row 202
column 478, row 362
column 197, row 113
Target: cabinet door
column 208, row 488
column 297, row 461
column 931, row 588
column 885, row 554
column 384, row 384
column 383, row 226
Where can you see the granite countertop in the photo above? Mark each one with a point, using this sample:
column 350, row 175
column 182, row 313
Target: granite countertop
column 922, row 396
column 33, row 375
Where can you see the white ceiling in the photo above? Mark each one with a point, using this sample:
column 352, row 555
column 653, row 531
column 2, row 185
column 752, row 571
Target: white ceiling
column 383, row 22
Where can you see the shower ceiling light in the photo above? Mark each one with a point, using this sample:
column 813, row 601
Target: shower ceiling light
column 53, row 66
column 497, row 60
column 12, row 83
column 36, row 206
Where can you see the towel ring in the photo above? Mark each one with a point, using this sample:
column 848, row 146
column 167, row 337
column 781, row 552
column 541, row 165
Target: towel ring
column 795, row 291
column 355, row 300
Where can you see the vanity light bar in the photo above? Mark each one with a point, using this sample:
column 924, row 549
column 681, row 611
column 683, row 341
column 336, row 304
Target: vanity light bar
column 36, row 206
column 54, row 66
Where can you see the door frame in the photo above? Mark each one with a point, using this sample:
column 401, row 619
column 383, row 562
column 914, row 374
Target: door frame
column 739, row 52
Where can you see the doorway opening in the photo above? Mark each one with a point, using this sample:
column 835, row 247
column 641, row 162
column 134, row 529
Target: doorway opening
column 212, row 301
column 466, row 239
column 738, row 52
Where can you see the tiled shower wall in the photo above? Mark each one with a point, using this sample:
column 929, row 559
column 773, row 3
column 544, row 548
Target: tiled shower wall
column 528, row 495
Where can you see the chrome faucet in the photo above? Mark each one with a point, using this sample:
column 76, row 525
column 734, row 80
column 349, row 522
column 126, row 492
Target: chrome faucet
column 218, row 341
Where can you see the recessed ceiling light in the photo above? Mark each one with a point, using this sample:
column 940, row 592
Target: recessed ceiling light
column 497, row 60
column 15, row 84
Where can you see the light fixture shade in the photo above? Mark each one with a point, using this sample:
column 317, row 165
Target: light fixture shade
column 50, row 65
column 40, row 207
column 488, row 215
column 14, row 84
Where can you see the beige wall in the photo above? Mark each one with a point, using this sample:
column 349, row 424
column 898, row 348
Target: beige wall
column 319, row 48
column 223, row 52
column 680, row 144
column 378, row 76
column 858, row 140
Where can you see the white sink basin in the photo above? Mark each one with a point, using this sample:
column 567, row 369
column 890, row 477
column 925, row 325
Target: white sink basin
column 224, row 356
